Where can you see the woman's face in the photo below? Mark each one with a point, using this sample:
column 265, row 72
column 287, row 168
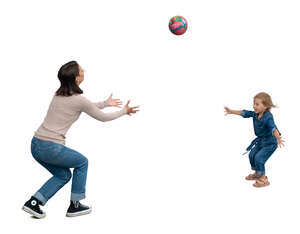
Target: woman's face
column 80, row 78
column 258, row 106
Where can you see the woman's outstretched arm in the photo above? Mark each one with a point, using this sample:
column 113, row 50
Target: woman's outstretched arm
column 92, row 110
column 109, row 102
column 101, row 105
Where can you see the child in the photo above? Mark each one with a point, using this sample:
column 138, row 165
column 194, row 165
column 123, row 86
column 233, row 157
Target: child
column 268, row 136
column 48, row 143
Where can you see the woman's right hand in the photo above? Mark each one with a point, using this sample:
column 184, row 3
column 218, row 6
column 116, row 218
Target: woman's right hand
column 131, row 109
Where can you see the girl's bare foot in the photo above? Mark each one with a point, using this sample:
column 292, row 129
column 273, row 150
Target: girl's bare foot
column 253, row 176
column 262, row 181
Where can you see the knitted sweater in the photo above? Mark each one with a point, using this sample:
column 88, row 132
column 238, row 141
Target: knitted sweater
column 64, row 111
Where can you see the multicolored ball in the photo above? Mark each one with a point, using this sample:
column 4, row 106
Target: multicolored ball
column 178, row 25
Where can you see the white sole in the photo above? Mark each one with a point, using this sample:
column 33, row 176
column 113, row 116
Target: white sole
column 32, row 212
column 84, row 212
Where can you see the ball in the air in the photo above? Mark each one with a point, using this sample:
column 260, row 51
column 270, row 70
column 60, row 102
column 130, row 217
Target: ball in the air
column 178, row 25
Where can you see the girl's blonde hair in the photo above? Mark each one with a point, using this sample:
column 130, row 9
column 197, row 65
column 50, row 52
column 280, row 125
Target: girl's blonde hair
column 266, row 100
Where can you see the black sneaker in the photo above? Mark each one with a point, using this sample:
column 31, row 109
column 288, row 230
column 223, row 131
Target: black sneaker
column 76, row 209
column 32, row 206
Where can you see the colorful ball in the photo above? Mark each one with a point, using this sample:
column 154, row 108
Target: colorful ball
column 178, row 25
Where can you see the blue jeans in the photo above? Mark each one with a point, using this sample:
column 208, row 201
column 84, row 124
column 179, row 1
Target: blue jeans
column 57, row 159
column 259, row 155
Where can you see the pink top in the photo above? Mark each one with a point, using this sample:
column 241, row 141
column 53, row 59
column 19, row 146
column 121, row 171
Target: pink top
column 64, row 111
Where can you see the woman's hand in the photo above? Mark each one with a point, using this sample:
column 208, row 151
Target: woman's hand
column 113, row 102
column 131, row 109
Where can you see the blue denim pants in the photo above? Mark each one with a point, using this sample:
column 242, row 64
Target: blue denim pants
column 259, row 155
column 58, row 159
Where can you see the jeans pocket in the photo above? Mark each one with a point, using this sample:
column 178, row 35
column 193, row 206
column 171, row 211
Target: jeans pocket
column 49, row 153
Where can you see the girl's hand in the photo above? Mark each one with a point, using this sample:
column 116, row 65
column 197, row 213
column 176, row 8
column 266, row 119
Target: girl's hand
column 131, row 109
column 113, row 102
column 227, row 110
column 280, row 141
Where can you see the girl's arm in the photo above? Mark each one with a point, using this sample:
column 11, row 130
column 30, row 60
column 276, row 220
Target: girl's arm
column 229, row 111
column 243, row 113
column 278, row 138
column 271, row 125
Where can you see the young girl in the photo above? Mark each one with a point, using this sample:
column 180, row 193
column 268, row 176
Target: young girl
column 268, row 136
column 48, row 143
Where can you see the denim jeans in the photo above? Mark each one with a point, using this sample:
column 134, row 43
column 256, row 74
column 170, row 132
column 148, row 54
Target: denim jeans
column 57, row 159
column 259, row 155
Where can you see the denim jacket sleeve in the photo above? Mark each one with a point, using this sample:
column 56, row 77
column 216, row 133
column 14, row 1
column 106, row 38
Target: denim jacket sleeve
column 271, row 125
column 247, row 114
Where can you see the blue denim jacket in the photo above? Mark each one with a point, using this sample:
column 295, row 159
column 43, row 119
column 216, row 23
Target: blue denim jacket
column 263, row 128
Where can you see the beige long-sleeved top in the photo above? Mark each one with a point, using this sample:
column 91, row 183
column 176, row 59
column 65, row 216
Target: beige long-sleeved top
column 64, row 111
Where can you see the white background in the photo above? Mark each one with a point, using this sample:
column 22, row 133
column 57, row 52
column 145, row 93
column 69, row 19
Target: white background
column 175, row 166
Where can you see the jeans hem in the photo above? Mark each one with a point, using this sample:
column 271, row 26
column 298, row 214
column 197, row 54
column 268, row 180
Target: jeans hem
column 40, row 197
column 260, row 173
column 77, row 196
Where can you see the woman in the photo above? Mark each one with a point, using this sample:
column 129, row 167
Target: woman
column 48, row 143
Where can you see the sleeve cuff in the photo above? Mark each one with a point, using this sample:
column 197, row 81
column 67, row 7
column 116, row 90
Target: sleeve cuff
column 243, row 113
column 273, row 129
column 124, row 110
column 105, row 103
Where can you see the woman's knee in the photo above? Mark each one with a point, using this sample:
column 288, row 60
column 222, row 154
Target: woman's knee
column 84, row 162
column 65, row 176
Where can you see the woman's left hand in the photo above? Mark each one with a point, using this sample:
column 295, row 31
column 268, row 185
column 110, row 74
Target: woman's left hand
column 113, row 102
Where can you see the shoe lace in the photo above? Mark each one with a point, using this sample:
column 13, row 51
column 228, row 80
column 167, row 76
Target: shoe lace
column 76, row 204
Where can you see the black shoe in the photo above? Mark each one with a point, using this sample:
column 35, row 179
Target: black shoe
column 32, row 206
column 76, row 209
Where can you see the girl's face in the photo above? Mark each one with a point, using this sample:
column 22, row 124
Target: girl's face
column 258, row 106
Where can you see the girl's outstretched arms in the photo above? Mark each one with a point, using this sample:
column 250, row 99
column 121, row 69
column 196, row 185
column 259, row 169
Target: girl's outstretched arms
column 278, row 138
column 229, row 111
column 271, row 125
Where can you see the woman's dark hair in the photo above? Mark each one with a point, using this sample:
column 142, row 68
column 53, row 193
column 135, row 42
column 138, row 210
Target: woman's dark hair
column 66, row 75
